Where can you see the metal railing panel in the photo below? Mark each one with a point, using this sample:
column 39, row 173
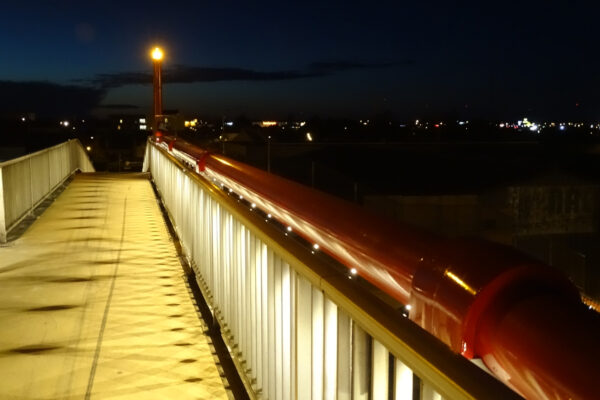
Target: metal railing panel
column 26, row 181
column 297, row 328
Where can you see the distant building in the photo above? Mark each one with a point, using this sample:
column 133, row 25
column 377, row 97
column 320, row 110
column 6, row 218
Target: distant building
column 129, row 122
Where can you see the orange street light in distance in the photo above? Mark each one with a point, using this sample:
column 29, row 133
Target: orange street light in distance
column 157, row 56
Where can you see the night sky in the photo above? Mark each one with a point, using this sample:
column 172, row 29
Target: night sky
column 498, row 60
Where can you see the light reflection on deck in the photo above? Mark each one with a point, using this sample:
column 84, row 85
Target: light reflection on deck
column 94, row 302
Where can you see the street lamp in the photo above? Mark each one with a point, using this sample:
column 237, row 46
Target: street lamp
column 157, row 56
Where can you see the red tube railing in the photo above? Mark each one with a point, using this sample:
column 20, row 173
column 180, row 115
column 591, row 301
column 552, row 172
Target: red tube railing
column 523, row 318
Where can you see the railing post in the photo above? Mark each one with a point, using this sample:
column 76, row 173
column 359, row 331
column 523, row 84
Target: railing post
column 2, row 216
column 30, row 188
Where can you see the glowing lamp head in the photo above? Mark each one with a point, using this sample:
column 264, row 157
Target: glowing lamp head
column 157, row 54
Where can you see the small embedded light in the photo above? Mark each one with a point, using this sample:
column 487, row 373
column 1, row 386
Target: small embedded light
column 269, row 216
column 316, row 246
column 408, row 307
column 23, row 119
column 421, row 259
column 89, row 148
column 241, row 197
column 91, row 137
column 289, row 228
column 230, row 190
column 353, row 271
column 253, row 205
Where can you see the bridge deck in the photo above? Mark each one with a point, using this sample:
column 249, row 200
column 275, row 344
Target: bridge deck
column 94, row 302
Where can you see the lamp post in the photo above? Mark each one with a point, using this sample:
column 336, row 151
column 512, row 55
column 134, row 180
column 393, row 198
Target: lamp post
column 157, row 56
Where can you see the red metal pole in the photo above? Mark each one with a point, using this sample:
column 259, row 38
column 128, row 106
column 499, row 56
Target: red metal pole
column 157, row 95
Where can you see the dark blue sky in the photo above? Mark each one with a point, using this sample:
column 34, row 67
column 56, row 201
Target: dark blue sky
column 273, row 59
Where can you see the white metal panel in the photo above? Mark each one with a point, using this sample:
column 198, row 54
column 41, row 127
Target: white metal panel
column 403, row 381
column 379, row 371
column 344, row 357
column 304, row 352
column 272, row 350
column 318, row 333
column 429, row 393
column 361, row 363
column 277, row 374
column 330, row 350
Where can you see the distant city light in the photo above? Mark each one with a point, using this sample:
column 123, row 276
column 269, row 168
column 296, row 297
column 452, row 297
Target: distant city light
column 89, row 148
column 229, row 123
column 64, row 123
column 267, row 124
column 309, row 137
column 143, row 127
column 142, row 120
column 562, row 128
column 23, row 119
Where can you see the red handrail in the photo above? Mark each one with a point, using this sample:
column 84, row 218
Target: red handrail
column 523, row 318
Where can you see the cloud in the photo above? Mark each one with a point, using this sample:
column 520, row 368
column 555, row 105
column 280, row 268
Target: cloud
column 118, row 106
column 44, row 98
column 191, row 74
column 108, row 81
column 331, row 67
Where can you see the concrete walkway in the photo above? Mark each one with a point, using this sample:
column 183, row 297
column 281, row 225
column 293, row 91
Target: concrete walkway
column 94, row 303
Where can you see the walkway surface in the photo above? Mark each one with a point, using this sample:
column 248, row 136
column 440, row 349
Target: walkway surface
column 94, row 302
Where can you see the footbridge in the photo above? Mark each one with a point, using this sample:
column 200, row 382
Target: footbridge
column 313, row 297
